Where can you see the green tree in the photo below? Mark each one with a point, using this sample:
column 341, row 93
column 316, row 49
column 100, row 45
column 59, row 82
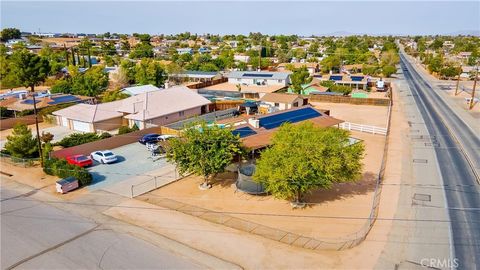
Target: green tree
column 61, row 86
column 142, row 50
column 149, row 71
column 388, row 70
column 30, row 70
column 303, row 158
column 21, row 143
column 450, row 70
column 390, row 58
column 204, row 151
column 10, row 33
column 299, row 77
column 113, row 95
column 91, row 83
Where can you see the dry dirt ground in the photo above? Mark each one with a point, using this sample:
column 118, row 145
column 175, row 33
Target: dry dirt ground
column 358, row 114
column 41, row 125
column 350, row 199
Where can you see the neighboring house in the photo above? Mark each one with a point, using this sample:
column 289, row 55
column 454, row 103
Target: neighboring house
column 354, row 81
column 311, row 67
column 141, row 89
column 259, row 130
column 24, row 101
column 184, row 50
column 260, row 78
column 278, row 101
column 241, row 58
column 464, row 55
column 195, row 76
column 143, row 110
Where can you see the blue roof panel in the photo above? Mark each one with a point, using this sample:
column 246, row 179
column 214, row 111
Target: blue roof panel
column 357, row 78
column 63, row 99
column 244, row 132
column 336, row 78
column 277, row 120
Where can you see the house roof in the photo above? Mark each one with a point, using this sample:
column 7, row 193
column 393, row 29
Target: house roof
column 196, row 74
column 231, row 87
column 261, row 137
column 141, row 107
column 280, row 97
column 89, row 113
column 151, row 105
column 136, row 90
column 258, row 75
column 298, row 65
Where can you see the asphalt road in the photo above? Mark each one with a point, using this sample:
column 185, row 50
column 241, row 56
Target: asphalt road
column 36, row 235
column 454, row 141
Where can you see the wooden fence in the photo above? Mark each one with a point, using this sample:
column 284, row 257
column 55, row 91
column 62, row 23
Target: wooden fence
column 10, row 122
column 207, row 83
column 108, row 143
column 221, row 105
column 350, row 100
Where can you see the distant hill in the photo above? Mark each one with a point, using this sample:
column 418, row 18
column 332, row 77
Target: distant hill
column 465, row 33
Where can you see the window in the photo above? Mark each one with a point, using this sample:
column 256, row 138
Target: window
column 182, row 113
column 277, row 104
column 280, row 81
column 295, row 104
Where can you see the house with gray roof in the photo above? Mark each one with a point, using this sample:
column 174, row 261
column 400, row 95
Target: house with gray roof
column 260, row 78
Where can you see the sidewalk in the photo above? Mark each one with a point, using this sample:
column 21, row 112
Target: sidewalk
column 456, row 103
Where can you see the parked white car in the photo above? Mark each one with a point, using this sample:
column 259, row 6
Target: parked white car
column 105, row 156
column 165, row 137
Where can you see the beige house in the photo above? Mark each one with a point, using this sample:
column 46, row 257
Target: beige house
column 311, row 67
column 272, row 102
column 143, row 110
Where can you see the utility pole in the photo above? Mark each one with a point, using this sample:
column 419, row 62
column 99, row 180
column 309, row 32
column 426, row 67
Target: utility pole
column 473, row 90
column 458, row 82
column 32, row 87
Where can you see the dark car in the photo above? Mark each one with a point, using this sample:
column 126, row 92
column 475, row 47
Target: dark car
column 147, row 138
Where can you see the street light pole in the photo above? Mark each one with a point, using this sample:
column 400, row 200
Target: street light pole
column 458, row 82
column 473, row 90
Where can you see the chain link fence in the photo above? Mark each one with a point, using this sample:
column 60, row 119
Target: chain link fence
column 21, row 162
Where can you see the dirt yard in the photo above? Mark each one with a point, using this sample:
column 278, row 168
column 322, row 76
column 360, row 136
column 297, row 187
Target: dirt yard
column 352, row 200
column 358, row 114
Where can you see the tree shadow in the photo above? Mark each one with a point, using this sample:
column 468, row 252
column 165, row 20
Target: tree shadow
column 97, row 178
column 342, row 191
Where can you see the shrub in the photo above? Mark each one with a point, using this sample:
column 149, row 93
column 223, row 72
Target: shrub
column 126, row 129
column 387, row 71
column 104, row 135
column 21, row 143
column 60, row 168
column 78, row 138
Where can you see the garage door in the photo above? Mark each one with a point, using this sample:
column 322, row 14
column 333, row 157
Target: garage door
column 64, row 121
column 81, row 126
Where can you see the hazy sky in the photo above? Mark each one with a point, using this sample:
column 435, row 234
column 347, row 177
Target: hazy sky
column 302, row 18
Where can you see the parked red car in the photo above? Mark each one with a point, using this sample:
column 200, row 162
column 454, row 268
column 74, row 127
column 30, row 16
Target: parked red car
column 80, row 160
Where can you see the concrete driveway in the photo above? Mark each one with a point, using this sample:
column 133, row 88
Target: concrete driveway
column 135, row 165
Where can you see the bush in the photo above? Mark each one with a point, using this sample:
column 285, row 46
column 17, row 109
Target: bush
column 126, row 129
column 60, row 168
column 387, row 71
column 79, row 138
column 104, row 135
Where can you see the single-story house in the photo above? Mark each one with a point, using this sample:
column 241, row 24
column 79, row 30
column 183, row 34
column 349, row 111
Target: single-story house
column 260, row 78
column 143, row 110
column 357, row 81
column 184, row 50
column 195, row 76
column 137, row 90
column 230, row 90
column 258, row 131
column 280, row 101
column 24, row 101
column 311, row 67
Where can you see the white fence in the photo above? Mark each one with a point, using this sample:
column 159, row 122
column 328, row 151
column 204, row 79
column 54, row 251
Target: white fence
column 364, row 128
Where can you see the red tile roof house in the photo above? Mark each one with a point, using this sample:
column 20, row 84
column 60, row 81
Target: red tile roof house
column 144, row 110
